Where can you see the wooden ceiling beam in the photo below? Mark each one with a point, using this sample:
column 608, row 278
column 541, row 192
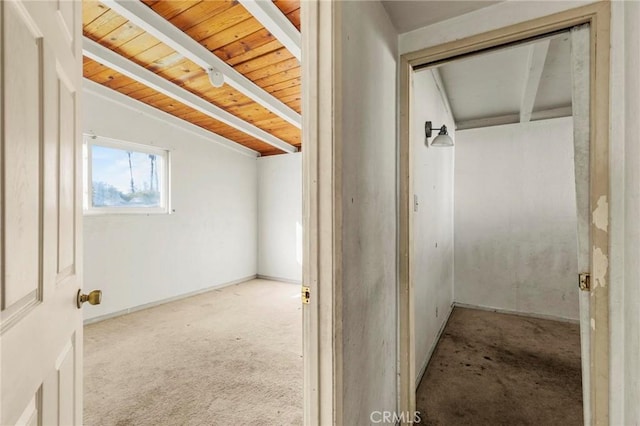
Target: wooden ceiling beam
column 501, row 120
column 153, row 23
column 124, row 66
column 114, row 96
column 277, row 23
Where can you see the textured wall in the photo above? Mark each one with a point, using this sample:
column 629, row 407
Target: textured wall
column 632, row 215
column 515, row 218
column 369, row 210
column 432, row 224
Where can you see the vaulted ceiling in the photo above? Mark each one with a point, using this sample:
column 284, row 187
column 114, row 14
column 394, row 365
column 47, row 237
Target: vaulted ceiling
column 259, row 104
column 527, row 82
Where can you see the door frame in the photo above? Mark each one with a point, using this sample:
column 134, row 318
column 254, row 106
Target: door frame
column 322, row 212
column 598, row 16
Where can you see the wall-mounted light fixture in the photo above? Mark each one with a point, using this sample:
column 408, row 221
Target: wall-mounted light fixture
column 443, row 138
column 216, row 78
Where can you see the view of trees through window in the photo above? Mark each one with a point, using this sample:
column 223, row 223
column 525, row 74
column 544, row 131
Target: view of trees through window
column 125, row 178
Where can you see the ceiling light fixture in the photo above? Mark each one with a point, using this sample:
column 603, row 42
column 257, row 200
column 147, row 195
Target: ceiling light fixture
column 443, row 138
column 216, row 78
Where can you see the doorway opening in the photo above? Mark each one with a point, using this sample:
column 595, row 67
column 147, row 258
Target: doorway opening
column 495, row 237
column 192, row 218
column 474, row 217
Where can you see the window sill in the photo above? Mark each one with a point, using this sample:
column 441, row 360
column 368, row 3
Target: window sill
column 125, row 212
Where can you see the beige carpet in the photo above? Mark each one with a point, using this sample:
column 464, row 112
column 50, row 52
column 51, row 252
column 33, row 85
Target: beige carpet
column 231, row 356
column 498, row 369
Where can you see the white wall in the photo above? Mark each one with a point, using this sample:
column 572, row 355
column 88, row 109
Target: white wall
column 432, row 224
column 210, row 239
column 630, row 198
column 280, row 217
column 368, row 142
column 515, row 218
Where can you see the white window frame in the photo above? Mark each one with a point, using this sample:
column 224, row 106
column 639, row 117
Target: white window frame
column 165, row 177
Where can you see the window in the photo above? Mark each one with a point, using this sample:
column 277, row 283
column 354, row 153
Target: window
column 123, row 177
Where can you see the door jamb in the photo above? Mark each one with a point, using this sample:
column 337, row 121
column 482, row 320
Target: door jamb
column 598, row 16
column 322, row 212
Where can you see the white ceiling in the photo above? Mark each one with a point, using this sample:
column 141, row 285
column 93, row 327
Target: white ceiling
column 485, row 86
column 490, row 87
column 410, row 15
column 555, row 85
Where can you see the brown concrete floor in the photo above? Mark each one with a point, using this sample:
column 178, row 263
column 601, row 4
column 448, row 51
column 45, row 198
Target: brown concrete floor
column 499, row 369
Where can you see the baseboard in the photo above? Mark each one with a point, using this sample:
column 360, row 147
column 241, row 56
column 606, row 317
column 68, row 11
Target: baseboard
column 520, row 314
column 433, row 347
column 284, row 280
column 167, row 300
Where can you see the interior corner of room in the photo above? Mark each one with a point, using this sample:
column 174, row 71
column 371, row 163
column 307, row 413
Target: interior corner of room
column 494, row 222
column 207, row 282
column 233, row 217
column 458, row 268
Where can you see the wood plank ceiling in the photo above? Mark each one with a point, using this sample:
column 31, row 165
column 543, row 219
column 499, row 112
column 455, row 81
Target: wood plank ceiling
column 225, row 28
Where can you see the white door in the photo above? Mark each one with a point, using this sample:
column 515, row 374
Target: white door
column 40, row 250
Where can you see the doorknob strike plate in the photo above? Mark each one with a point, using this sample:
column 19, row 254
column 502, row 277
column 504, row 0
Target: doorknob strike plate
column 584, row 281
column 306, row 294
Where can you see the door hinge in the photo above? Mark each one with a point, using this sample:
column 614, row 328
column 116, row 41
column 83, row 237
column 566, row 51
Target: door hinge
column 306, row 294
column 584, row 281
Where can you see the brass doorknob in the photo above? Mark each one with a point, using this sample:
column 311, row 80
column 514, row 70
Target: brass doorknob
column 94, row 298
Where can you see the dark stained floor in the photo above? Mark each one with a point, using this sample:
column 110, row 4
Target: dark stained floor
column 499, row 369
